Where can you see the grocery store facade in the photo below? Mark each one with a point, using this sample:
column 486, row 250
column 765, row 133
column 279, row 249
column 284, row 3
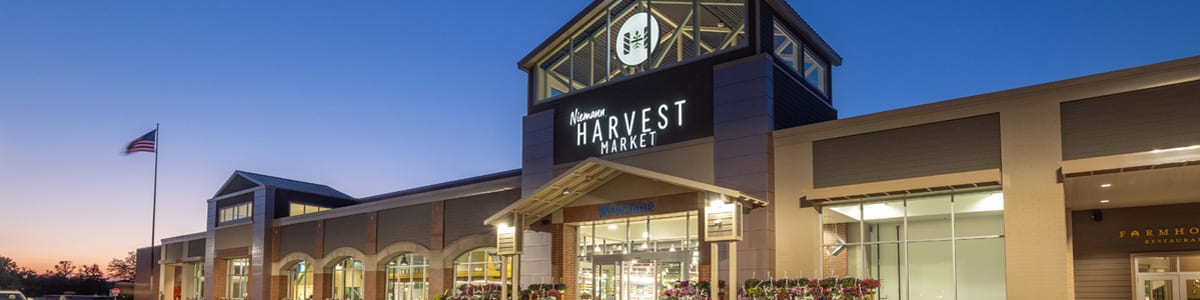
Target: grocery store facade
column 658, row 131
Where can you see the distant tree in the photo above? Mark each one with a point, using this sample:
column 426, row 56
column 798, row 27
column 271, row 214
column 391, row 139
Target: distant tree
column 90, row 281
column 64, row 269
column 123, row 268
column 10, row 276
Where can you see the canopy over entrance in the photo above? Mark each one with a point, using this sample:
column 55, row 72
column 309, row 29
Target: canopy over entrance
column 591, row 174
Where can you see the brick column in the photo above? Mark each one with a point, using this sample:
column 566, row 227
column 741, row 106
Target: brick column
column 372, row 234
column 218, row 276
column 374, row 285
column 319, row 242
column 279, row 287
column 321, row 286
column 440, row 279
column 562, row 257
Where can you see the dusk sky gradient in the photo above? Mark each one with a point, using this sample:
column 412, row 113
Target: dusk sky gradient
column 372, row 97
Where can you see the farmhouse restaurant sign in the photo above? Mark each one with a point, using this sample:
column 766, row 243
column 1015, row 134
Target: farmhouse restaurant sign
column 1164, row 235
column 619, row 131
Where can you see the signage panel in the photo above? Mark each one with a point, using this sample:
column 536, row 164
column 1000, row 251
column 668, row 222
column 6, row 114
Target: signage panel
column 660, row 108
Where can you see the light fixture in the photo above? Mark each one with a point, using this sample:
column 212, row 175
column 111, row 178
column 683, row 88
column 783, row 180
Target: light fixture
column 672, row 249
column 566, row 191
column 645, row 246
column 403, row 260
column 1104, row 201
column 598, row 249
column 1106, row 185
column 645, row 234
column 612, row 226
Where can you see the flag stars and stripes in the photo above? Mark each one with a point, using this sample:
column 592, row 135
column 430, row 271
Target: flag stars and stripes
column 143, row 144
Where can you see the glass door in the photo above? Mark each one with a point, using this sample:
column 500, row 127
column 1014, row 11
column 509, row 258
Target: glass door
column 1191, row 286
column 641, row 279
column 1157, row 287
column 607, row 282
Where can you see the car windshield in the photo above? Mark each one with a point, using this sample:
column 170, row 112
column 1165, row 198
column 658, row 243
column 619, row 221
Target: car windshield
column 11, row 296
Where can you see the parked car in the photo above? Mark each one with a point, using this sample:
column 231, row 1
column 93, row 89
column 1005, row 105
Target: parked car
column 11, row 295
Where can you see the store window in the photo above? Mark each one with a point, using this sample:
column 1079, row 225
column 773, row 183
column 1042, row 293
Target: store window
column 638, row 36
column 300, row 282
column 479, row 266
column 348, row 279
column 408, row 277
column 238, row 279
column 791, row 52
column 235, row 212
column 296, row 209
column 197, row 281
column 943, row 246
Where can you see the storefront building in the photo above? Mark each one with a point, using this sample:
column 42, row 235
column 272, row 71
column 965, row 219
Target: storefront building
column 668, row 141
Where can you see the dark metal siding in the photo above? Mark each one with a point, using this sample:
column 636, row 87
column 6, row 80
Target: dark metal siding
column 298, row 238
column 1158, row 118
column 409, row 224
column 795, row 104
column 350, row 231
column 464, row 216
column 952, row 146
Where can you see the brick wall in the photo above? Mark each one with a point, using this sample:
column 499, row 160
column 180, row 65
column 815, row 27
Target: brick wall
column 838, row 266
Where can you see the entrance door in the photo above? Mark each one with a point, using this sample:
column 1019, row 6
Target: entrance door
column 1185, row 286
column 1158, row 287
column 634, row 279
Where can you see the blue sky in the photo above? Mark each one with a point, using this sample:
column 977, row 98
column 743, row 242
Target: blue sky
column 376, row 96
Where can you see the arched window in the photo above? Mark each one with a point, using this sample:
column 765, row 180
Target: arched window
column 300, row 282
column 479, row 266
column 408, row 277
column 348, row 280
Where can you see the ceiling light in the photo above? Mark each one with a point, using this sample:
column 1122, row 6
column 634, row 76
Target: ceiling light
column 1103, row 201
column 566, row 191
column 1106, row 185
column 612, row 226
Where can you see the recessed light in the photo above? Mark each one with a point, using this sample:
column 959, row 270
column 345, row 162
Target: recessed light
column 1106, row 185
column 1103, row 201
column 612, row 226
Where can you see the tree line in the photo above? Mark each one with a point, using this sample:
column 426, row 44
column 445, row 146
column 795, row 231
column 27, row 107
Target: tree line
column 66, row 277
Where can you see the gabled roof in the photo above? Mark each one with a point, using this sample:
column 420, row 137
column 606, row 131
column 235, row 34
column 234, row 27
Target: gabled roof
column 597, row 7
column 593, row 173
column 237, row 180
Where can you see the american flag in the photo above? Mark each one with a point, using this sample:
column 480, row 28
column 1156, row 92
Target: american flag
column 143, row 144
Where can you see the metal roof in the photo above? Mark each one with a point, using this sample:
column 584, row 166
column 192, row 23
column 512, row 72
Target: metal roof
column 591, row 174
column 293, row 185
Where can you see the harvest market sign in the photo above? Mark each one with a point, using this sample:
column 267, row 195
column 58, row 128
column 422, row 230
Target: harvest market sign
column 1164, row 235
column 625, row 130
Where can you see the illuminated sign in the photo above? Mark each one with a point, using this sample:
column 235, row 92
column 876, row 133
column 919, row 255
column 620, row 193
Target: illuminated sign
column 1167, row 235
column 636, row 39
column 616, row 209
column 627, row 130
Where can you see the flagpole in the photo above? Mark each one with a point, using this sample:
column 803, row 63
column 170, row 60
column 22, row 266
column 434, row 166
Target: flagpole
column 153, row 219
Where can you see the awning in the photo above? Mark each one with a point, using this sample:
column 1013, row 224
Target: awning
column 594, row 173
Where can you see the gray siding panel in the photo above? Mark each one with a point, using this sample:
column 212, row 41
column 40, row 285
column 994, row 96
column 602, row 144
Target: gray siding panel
column 195, row 248
column 174, row 251
column 464, row 216
column 350, row 231
column 408, row 224
column 1159, row 118
column 298, row 238
column 960, row 145
column 233, row 237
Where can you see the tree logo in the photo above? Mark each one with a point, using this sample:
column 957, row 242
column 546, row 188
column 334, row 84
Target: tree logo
column 637, row 39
